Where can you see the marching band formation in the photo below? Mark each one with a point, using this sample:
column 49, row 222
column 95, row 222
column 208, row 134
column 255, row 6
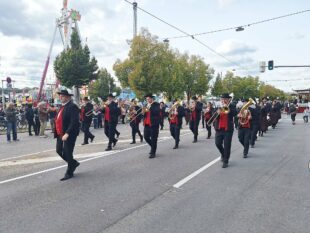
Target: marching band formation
column 249, row 117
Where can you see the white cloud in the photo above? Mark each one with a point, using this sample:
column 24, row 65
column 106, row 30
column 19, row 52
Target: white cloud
column 225, row 3
column 233, row 47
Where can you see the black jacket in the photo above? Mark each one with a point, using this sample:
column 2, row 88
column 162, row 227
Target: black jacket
column 155, row 114
column 255, row 116
column 198, row 110
column 70, row 120
column 88, row 112
column 29, row 114
column 232, row 113
column 114, row 112
column 181, row 114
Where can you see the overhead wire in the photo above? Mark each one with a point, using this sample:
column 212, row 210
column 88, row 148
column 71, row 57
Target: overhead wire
column 189, row 35
column 241, row 26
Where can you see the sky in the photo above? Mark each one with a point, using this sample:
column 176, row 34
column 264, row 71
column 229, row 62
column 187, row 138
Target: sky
column 26, row 30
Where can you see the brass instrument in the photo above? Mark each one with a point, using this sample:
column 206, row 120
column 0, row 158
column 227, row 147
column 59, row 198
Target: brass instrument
column 143, row 110
column 173, row 108
column 243, row 119
column 105, row 104
column 224, row 109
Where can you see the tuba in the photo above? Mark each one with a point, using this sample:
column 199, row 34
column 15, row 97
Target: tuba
column 243, row 118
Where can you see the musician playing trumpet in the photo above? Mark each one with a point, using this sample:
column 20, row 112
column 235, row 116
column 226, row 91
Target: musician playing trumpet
column 87, row 117
column 224, row 127
column 244, row 131
column 176, row 113
column 135, row 118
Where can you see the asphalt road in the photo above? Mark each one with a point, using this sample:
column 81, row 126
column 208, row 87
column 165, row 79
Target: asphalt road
column 125, row 191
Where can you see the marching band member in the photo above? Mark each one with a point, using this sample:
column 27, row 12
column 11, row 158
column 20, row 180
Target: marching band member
column 254, row 122
column 111, row 113
column 135, row 119
column 207, row 115
column 151, row 124
column 87, row 117
column 224, row 127
column 195, row 108
column 244, row 131
column 176, row 114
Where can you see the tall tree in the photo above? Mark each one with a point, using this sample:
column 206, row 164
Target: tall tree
column 73, row 66
column 217, row 88
column 104, row 85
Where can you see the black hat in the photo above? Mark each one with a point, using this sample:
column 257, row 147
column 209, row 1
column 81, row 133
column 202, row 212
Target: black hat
column 194, row 97
column 149, row 95
column 111, row 95
column 225, row 96
column 64, row 92
column 133, row 100
column 85, row 98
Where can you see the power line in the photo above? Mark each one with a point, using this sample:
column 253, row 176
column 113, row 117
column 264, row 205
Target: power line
column 188, row 35
column 287, row 80
column 242, row 26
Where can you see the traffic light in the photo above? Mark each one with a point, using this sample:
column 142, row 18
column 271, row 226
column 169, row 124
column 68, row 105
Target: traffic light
column 270, row 65
column 8, row 80
column 262, row 66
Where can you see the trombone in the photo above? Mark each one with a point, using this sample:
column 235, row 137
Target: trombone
column 223, row 109
column 141, row 111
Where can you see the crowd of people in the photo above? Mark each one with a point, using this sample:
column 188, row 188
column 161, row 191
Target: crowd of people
column 250, row 117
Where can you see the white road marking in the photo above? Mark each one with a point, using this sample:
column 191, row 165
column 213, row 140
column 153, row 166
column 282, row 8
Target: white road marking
column 196, row 173
column 103, row 154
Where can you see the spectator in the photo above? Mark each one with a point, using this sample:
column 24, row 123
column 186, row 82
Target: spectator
column 11, row 119
column 306, row 115
column 52, row 111
column 30, row 118
column 36, row 121
column 43, row 114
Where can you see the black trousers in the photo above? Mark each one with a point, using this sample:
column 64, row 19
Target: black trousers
column 161, row 122
column 135, row 130
column 203, row 121
column 244, row 138
column 223, row 143
column 30, row 124
column 65, row 150
column 293, row 116
column 209, row 130
column 151, row 136
column 175, row 133
column 253, row 136
column 193, row 125
column 37, row 126
column 109, row 130
column 87, row 133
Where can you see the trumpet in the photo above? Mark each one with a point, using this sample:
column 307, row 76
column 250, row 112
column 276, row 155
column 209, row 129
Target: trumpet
column 224, row 109
column 105, row 104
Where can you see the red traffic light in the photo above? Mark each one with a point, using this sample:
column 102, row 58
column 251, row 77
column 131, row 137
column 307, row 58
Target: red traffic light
column 8, row 80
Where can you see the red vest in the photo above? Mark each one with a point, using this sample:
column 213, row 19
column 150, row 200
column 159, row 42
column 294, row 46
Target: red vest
column 193, row 115
column 58, row 122
column 174, row 119
column 147, row 119
column 223, row 121
column 107, row 114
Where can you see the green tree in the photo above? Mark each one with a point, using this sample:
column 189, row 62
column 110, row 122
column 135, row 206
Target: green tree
column 217, row 89
column 104, row 85
column 73, row 66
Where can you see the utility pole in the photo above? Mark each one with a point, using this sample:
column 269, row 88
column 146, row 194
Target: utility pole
column 135, row 6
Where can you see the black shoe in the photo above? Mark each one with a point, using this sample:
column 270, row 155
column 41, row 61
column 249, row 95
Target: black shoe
column 176, row 147
column 108, row 149
column 66, row 177
column 30, row 134
column 225, row 165
column 117, row 135
column 114, row 143
column 208, row 137
column 195, row 140
column 84, row 143
column 133, row 143
column 152, row 156
column 92, row 139
column 141, row 139
column 245, row 156
column 75, row 166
